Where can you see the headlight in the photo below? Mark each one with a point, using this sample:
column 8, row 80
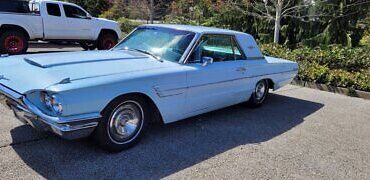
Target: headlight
column 52, row 103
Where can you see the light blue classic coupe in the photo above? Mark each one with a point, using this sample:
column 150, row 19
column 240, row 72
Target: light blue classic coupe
column 158, row 72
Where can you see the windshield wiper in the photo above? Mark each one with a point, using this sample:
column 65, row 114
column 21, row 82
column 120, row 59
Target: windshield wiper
column 148, row 53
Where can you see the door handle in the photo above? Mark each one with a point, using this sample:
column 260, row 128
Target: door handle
column 241, row 69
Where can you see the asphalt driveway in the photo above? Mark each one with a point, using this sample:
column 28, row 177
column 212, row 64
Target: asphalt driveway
column 299, row 133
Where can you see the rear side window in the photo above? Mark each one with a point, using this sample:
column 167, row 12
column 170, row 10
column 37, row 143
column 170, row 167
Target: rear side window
column 14, row 6
column 53, row 9
column 74, row 12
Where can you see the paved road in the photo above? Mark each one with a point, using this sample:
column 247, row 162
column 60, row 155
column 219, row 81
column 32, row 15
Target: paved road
column 299, row 133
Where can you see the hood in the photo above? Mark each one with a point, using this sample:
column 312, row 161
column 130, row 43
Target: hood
column 105, row 20
column 35, row 72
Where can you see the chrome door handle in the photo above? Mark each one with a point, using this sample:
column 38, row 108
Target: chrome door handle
column 241, row 69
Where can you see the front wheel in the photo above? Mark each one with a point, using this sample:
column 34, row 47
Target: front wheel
column 123, row 124
column 107, row 41
column 13, row 42
column 259, row 94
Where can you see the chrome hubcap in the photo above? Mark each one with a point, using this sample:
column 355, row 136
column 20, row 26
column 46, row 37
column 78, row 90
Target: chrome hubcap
column 125, row 121
column 260, row 90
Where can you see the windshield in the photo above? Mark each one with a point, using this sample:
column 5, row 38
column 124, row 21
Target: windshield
column 167, row 44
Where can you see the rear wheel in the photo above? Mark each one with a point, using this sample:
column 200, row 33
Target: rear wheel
column 123, row 124
column 13, row 42
column 259, row 94
column 107, row 41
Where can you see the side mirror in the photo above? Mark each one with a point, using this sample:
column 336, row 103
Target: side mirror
column 88, row 16
column 207, row 60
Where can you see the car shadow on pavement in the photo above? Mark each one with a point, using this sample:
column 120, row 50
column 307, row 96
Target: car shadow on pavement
column 167, row 149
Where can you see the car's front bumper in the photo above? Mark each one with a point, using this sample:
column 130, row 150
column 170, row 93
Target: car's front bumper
column 26, row 112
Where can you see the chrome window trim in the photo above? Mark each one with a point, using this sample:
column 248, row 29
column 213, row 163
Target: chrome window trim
column 239, row 48
column 222, row 34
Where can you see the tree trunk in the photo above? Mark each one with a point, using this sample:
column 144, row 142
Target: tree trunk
column 277, row 22
column 151, row 6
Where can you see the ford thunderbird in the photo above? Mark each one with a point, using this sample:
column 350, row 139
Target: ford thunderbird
column 157, row 73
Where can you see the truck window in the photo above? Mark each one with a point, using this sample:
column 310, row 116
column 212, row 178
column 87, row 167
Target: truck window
column 14, row 6
column 74, row 12
column 53, row 9
column 34, row 7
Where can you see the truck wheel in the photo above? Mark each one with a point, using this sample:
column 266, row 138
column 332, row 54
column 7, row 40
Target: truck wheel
column 107, row 41
column 88, row 45
column 123, row 123
column 13, row 42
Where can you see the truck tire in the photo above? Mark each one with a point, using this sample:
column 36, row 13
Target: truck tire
column 107, row 41
column 88, row 45
column 13, row 42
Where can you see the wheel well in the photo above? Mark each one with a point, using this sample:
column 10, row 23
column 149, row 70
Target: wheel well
column 271, row 83
column 108, row 31
column 7, row 27
column 157, row 117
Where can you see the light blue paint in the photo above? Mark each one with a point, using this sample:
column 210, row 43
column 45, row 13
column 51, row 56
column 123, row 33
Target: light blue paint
column 178, row 89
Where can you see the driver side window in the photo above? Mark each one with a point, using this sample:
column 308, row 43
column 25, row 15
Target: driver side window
column 218, row 47
column 74, row 12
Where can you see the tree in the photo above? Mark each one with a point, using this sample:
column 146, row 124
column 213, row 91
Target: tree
column 94, row 7
column 151, row 11
column 274, row 10
column 303, row 10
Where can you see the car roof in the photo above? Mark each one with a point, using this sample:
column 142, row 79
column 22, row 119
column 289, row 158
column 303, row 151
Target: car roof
column 53, row 1
column 196, row 29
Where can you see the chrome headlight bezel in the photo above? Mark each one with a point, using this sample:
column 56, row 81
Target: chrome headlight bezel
column 51, row 102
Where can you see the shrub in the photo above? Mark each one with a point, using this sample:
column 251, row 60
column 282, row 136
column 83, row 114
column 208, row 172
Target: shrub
column 333, row 65
column 127, row 25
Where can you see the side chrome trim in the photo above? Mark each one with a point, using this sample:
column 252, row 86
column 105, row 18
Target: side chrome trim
column 206, row 84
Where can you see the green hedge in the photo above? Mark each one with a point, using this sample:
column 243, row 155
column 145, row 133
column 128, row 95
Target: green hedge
column 127, row 25
column 332, row 65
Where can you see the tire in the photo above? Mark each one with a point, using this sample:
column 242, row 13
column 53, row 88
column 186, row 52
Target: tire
column 107, row 41
column 110, row 135
column 88, row 45
column 259, row 94
column 13, row 42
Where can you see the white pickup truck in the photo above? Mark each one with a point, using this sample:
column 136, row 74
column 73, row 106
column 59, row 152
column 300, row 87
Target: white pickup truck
column 22, row 21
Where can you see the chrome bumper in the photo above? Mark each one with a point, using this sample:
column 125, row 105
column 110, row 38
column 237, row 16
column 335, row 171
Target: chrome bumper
column 26, row 112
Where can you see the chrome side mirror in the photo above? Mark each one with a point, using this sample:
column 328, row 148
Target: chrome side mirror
column 206, row 61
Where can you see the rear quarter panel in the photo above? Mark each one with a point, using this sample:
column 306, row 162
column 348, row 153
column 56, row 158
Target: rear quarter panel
column 282, row 71
column 32, row 23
